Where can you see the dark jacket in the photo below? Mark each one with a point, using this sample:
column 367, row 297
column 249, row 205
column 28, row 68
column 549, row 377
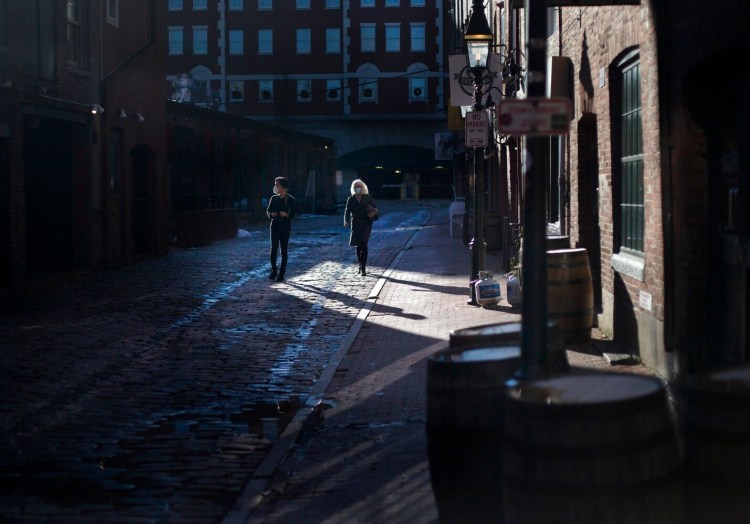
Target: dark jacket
column 278, row 204
column 356, row 213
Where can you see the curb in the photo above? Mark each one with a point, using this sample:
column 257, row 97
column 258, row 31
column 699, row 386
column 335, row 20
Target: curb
column 252, row 495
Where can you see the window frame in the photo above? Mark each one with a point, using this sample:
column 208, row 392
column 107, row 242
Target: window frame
column 422, row 81
column 262, row 85
column 389, row 37
column 113, row 12
column 363, row 86
column 366, row 38
column 203, row 7
column 177, row 29
column 304, row 85
column 236, row 5
column 75, row 34
column 629, row 186
column 265, row 5
column 199, row 29
column 232, row 85
column 172, row 5
column 329, row 41
column 232, row 42
column 265, row 46
column 415, row 26
column 334, row 84
column 303, row 31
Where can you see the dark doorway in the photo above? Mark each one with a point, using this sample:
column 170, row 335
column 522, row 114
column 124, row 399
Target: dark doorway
column 50, row 209
column 142, row 200
column 725, row 117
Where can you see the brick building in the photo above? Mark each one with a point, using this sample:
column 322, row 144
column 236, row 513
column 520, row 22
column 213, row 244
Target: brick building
column 369, row 74
column 81, row 136
column 653, row 177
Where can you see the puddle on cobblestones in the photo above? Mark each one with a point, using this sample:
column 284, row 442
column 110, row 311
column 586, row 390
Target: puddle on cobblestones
column 266, row 419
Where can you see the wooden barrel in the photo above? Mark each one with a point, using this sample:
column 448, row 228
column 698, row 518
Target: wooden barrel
column 570, row 293
column 558, row 242
column 589, row 449
column 465, row 425
column 511, row 333
column 717, row 446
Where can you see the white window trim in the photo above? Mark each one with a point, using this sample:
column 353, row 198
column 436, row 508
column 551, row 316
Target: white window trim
column 181, row 29
column 200, row 28
column 113, row 19
column 242, row 42
column 260, row 91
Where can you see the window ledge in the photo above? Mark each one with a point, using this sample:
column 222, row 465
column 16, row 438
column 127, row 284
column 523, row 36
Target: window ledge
column 629, row 265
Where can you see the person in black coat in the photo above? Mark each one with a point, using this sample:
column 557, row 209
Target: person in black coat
column 360, row 211
column 282, row 208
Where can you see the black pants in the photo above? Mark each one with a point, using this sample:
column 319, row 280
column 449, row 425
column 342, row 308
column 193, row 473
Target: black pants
column 279, row 238
column 362, row 254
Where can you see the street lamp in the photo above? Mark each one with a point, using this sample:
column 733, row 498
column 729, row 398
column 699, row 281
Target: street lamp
column 478, row 39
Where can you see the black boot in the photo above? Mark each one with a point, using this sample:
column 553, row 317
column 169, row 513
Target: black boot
column 363, row 263
column 273, row 274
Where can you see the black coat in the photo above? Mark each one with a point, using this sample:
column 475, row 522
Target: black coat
column 278, row 204
column 356, row 213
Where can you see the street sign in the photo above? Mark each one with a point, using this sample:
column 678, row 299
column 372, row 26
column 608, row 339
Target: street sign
column 477, row 128
column 534, row 116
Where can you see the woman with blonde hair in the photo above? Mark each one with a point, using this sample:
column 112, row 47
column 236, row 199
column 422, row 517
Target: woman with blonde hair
column 360, row 211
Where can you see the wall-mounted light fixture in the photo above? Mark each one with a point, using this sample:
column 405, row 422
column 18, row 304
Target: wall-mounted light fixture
column 96, row 109
column 122, row 113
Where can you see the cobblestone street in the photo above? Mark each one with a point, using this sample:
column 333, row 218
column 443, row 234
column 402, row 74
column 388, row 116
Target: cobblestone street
column 150, row 393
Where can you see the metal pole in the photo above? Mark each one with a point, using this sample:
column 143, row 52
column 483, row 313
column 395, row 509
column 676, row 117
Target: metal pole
column 534, row 313
column 477, row 244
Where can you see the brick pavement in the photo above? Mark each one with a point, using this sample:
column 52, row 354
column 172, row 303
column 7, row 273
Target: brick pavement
column 360, row 456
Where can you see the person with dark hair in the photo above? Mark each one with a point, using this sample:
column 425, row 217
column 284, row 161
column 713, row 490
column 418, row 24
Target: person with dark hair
column 360, row 211
column 281, row 209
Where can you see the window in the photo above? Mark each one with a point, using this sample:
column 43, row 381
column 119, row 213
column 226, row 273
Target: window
column 265, row 90
column 367, row 3
column 333, row 90
column 367, row 36
column 333, row 4
column 200, row 40
column 4, row 22
column 236, row 41
column 417, row 89
column 392, row 3
column 112, row 12
column 236, row 5
column 368, row 89
column 175, row 5
column 303, row 4
column 393, row 37
column 200, row 5
column 303, row 41
column 236, row 90
column 333, row 40
column 417, row 3
column 631, row 201
column 417, row 37
column 265, row 41
column 265, row 5
column 304, row 91
column 76, row 44
column 176, row 41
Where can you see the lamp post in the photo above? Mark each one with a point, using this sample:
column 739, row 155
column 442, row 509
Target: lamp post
column 478, row 39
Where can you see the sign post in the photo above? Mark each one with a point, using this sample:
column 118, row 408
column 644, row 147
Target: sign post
column 476, row 129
